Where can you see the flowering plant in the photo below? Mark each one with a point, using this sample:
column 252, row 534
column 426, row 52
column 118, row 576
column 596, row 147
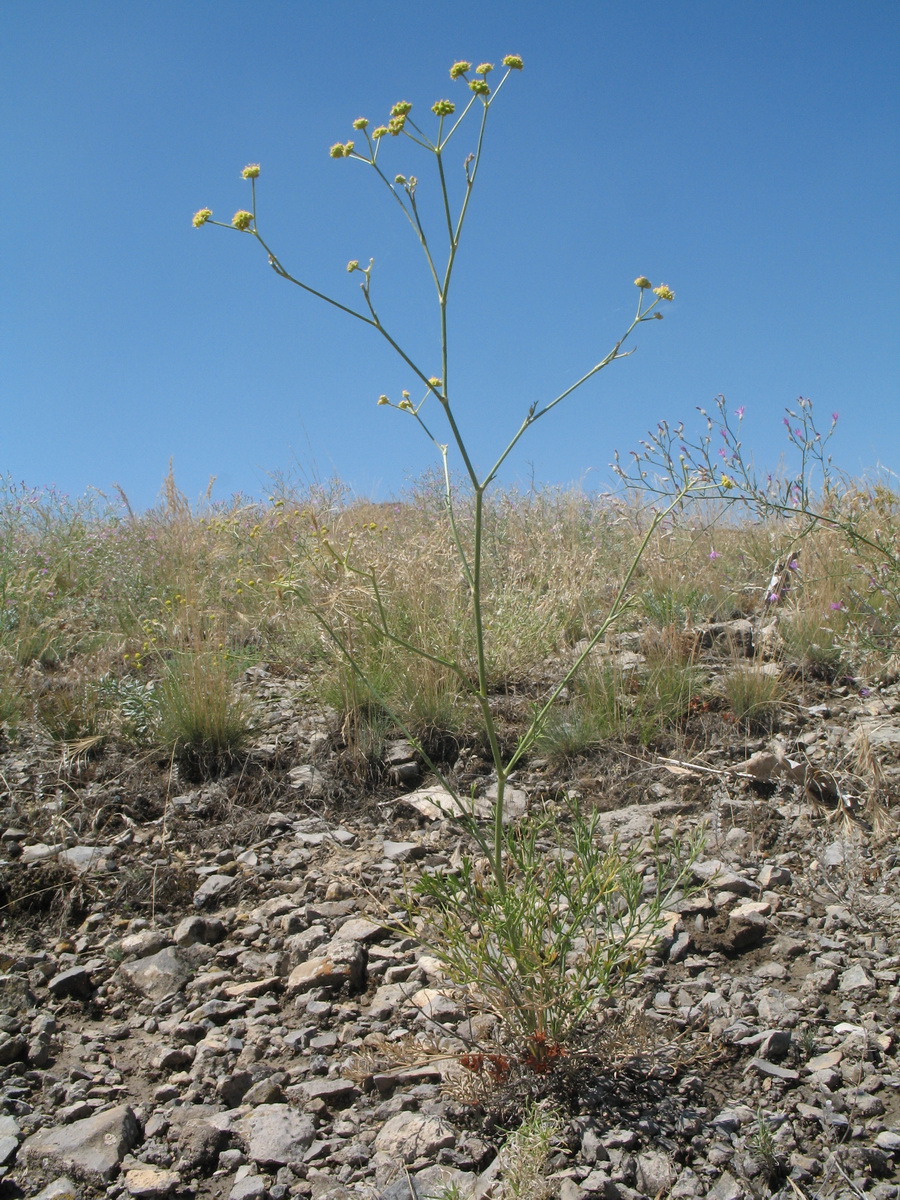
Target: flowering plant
column 435, row 400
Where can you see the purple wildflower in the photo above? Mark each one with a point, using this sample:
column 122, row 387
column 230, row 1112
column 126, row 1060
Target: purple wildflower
column 714, row 554
column 739, row 413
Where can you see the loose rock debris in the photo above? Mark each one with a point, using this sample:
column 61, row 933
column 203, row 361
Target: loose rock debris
column 200, row 998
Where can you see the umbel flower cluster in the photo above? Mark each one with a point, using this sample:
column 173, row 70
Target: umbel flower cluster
column 398, row 119
column 399, row 114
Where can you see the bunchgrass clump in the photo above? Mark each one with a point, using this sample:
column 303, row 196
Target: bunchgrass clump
column 526, row 1152
column 754, row 697
column 203, row 722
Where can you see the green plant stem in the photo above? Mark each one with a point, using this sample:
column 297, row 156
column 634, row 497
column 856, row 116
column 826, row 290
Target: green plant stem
column 471, row 562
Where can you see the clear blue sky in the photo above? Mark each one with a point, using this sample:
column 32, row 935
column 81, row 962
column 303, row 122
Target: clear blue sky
column 746, row 153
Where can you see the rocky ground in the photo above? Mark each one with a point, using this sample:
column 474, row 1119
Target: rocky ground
column 203, row 990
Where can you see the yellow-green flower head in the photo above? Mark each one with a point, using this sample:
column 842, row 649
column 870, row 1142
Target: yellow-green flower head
column 513, row 62
column 484, row 68
column 383, row 400
column 379, row 132
column 443, row 108
column 642, row 282
column 395, row 125
column 726, row 483
column 405, row 394
column 242, row 220
column 435, row 382
column 401, row 109
column 201, row 217
column 459, row 68
column 664, row 292
column 406, row 405
column 479, row 87
column 251, row 171
column 399, row 179
column 360, row 122
column 353, row 264
column 337, row 150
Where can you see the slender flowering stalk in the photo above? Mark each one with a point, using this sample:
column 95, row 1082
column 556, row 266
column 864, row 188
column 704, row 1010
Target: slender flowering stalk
column 437, row 399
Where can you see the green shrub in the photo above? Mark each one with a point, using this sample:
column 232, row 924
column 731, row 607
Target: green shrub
column 569, row 923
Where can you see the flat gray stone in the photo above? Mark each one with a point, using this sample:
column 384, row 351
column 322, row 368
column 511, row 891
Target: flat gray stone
column 76, row 983
column 144, row 943
column 717, row 875
column 62, row 1188
column 90, row 1150
column 207, row 931
column 38, row 851
column 157, row 977
column 776, row 1072
column 344, row 962
column 276, row 1134
column 150, row 1182
column 84, row 859
column 883, row 736
column 9, row 1127
column 212, row 889
column 329, row 1090
column 359, row 929
column 856, row 978
column 409, row 1136
column 13, row 1048
column 437, row 1005
column 308, row 780
column 655, row 1172
column 726, row 1187
column 251, row 1187
column 431, row 1183
column 402, row 851
column 436, row 801
column 636, row 820
column 828, row 1061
